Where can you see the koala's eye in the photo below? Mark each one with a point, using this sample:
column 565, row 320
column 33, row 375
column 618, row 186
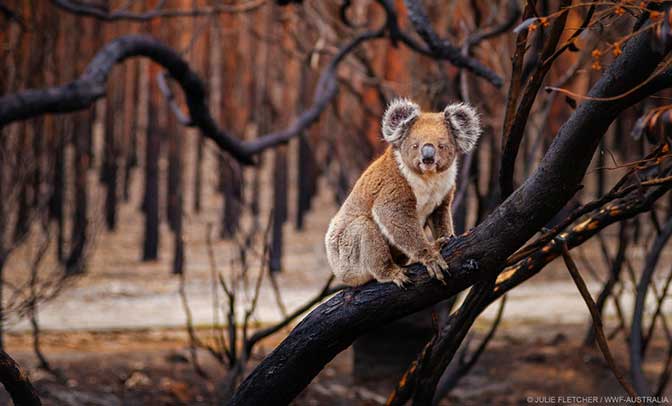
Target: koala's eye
column 442, row 146
column 415, row 146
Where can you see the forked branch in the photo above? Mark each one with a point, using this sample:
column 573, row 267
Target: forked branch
column 90, row 86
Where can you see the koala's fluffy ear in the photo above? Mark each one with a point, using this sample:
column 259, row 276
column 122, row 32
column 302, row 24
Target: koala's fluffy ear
column 464, row 123
column 398, row 117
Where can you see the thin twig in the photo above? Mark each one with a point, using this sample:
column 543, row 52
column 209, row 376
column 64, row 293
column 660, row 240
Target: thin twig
column 597, row 321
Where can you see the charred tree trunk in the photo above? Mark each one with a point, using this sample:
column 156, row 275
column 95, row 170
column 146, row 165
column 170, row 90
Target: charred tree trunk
column 78, row 236
column 3, row 259
column 38, row 137
column 305, row 180
column 232, row 192
column 16, row 382
column 23, row 209
column 109, row 169
column 202, row 59
column 173, row 180
column 306, row 171
column 131, row 156
column 280, row 185
column 198, row 173
column 178, row 249
column 62, row 127
column 150, row 250
column 3, row 244
column 230, row 170
column 57, row 197
column 385, row 353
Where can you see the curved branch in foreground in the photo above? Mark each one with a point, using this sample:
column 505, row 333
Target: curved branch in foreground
column 334, row 325
column 16, row 382
column 90, row 86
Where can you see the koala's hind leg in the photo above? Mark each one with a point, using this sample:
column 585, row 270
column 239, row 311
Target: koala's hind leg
column 369, row 256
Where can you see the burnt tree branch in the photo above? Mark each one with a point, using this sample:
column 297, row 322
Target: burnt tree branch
column 515, row 131
column 90, row 86
column 442, row 47
column 16, row 382
column 434, row 46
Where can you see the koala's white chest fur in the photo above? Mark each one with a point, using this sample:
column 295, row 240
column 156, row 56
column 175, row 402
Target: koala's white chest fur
column 430, row 192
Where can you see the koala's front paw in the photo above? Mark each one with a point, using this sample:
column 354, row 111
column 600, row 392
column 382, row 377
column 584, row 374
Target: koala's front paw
column 435, row 266
column 401, row 279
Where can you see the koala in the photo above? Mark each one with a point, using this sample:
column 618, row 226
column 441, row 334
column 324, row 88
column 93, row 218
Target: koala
column 381, row 225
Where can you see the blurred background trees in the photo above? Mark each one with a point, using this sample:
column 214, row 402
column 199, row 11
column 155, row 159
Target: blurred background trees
column 319, row 74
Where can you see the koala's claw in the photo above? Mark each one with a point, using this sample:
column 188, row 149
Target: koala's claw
column 435, row 268
column 401, row 280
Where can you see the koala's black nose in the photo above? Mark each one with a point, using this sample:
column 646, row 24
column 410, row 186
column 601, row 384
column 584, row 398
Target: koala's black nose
column 427, row 152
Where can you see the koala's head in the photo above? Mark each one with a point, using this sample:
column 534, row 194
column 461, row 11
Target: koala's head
column 430, row 142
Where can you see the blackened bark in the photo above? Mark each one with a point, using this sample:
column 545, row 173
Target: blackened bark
column 38, row 161
column 109, row 168
column 57, row 197
column 131, row 155
column 78, row 236
column 280, row 185
column 178, row 249
column 198, row 174
column 178, row 254
column 204, row 62
column 174, row 177
column 305, row 179
column 231, row 177
column 385, row 353
column 16, row 382
column 23, row 206
column 150, row 250
column 23, row 212
column 3, row 260
column 306, row 172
